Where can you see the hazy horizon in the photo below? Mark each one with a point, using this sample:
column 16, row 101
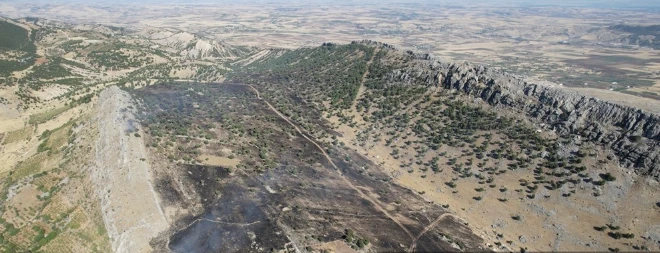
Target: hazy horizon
column 497, row 3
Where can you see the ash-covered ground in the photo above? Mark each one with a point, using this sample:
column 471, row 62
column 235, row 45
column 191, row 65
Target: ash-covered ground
column 271, row 187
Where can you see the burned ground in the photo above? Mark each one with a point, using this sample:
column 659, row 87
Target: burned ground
column 233, row 222
column 284, row 193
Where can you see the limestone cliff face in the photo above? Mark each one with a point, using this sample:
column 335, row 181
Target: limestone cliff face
column 633, row 134
column 122, row 177
column 192, row 46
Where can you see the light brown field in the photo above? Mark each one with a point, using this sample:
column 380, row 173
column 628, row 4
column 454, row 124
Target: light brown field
column 526, row 41
column 218, row 161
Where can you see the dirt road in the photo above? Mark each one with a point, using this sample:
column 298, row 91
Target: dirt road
column 348, row 182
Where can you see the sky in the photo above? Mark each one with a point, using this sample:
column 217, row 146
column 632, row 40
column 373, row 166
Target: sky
column 502, row 3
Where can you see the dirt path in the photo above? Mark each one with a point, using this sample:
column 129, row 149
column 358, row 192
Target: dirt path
column 348, row 182
column 214, row 221
column 364, row 79
column 426, row 229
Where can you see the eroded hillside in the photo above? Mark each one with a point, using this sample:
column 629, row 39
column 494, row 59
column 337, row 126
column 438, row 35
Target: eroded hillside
column 242, row 177
column 527, row 165
column 66, row 170
column 156, row 140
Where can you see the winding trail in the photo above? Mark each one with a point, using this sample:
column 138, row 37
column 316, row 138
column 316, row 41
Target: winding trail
column 364, row 79
column 348, row 182
column 413, row 245
column 213, row 221
column 427, row 228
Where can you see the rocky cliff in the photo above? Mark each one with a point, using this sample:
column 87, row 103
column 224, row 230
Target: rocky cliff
column 192, row 46
column 631, row 133
column 131, row 208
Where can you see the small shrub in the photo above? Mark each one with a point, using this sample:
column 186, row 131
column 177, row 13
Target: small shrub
column 615, row 235
column 612, row 227
column 607, row 177
column 635, row 138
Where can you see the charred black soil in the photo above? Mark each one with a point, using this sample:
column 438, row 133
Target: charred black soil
column 284, row 194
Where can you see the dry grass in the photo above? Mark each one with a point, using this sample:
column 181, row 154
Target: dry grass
column 550, row 223
column 47, row 181
column 218, row 161
column 47, row 115
column 18, row 135
column 58, row 206
column 24, row 206
column 59, row 137
column 65, row 242
column 23, row 238
column 30, row 166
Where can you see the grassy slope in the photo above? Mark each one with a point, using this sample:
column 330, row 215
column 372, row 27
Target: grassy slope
column 13, row 37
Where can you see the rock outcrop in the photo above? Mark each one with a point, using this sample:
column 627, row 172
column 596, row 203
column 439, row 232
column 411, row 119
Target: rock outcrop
column 633, row 134
column 192, row 46
column 131, row 208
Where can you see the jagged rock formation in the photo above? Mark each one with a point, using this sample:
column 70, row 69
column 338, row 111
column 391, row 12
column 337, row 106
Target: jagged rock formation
column 192, row 46
column 631, row 133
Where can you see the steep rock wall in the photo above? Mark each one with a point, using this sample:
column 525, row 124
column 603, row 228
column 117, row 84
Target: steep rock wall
column 131, row 208
column 633, row 134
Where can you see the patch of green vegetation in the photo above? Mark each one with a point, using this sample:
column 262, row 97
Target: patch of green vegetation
column 209, row 72
column 8, row 66
column 72, row 63
column 71, row 81
column 117, row 59
column 28, row 167
column 53, row 140
column 43, row 117
column 160, row 72
column 17, row 43
column 14, row 37
column 353, row 240
column 71, row 45
column 308, row 70
column 50, row 70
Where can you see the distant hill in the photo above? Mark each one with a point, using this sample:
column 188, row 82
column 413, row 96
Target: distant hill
column 192, row 46
column 645, row 36
column 14, row 37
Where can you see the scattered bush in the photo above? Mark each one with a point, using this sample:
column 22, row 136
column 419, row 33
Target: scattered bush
column 607, row 177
